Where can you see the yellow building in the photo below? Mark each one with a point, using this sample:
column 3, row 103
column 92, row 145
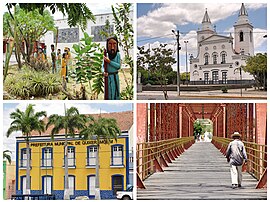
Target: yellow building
column 47, row 163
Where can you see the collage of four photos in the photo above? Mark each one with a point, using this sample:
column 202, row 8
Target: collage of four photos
column 134, row 101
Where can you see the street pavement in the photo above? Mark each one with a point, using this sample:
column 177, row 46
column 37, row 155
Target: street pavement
column 233, row 94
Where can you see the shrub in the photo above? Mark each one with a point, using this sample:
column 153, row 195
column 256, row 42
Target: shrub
column 224, row 89
column 31, row 83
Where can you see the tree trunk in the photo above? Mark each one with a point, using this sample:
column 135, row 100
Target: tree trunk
column 97, row 188
column 18, row 55
column 66, row 191
column 8, row 56
column 28, row 179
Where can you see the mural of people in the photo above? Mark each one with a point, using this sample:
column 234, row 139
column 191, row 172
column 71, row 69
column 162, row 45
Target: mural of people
column 113, row 65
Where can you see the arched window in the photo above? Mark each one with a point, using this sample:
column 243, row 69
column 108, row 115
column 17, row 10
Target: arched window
column 223, row 55
column 195, row 73
column 206, row 59
column 241, row 35
column 215, row 55
column 250, row 35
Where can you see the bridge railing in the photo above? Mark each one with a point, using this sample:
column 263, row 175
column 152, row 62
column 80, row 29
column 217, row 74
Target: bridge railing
column 152, row 156
column 256, row 154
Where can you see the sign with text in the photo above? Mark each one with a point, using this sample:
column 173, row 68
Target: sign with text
column 73, row 143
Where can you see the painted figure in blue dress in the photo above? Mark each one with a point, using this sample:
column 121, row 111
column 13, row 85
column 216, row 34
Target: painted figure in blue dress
column 113, row 65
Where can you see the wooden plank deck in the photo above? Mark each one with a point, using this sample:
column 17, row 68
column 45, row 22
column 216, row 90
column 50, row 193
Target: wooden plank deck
column 201, row 172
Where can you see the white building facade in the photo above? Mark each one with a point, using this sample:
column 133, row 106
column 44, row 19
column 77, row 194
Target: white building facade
column 219, row 58
column 68, row 36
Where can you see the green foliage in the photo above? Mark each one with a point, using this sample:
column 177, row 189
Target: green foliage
column 7, row 156
column 71, row 122
column 185, row 76
column 39, row 65
column 77, row 13
column 29, row 83
column 224, row 89
column 106, row 30
column 27, row 121
column 127, row 93
column 158, row 62
column 89, row 58
column 27, row 26
column 124, row 32
column 101, row 128
column 201, row 126
column 198, row 128
column 257, row 66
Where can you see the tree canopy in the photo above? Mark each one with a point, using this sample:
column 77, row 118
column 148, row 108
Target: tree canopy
column 257, row 66
column 158, row 63
column 27, row 27
column 77, row 13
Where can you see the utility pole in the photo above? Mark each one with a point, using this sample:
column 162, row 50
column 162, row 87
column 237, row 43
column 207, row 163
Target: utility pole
column 148, row 74
column 241, row 80
column 186, row 42
column 178, row 64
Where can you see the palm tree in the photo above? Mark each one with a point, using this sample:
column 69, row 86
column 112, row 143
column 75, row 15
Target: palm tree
column 26, row 122
column 102, row 128
column 7, row 156
column 71, row 121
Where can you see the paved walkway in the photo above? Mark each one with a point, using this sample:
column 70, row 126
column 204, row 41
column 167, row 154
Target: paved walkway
column 208, row 95
column 202, row 172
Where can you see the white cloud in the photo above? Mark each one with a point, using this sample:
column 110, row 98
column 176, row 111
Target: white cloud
column 258, row 38
column 162, row 20
column 9, row 143
column 147, row 26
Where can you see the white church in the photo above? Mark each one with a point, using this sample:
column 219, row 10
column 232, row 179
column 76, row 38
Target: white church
column 220, row 57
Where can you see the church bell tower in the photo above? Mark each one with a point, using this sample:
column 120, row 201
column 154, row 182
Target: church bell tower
column 243, row 34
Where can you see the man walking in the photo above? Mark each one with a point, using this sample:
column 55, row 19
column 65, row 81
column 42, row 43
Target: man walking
column 236, row 155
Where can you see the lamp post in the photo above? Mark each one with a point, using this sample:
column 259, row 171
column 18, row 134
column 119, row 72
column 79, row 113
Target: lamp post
column 178, row 68
column 186, row 42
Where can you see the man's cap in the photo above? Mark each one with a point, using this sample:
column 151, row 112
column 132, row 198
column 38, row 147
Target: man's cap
column 236, row 134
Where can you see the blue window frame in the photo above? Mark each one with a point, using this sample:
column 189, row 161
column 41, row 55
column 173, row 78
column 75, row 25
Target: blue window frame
column 117, row 183
column 71, row 184
column 23, row 184
column 47, row 157
column 91, row 155
column 117, row 155
column 71, row 156
column 91, row 181
column 47, row 184
column 23, row 160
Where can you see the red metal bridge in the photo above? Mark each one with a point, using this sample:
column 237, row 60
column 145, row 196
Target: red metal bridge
column 170, row 165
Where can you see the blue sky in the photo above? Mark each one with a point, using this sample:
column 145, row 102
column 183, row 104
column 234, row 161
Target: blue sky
column 55, row 108
column 156, row 20
column 83, row 107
